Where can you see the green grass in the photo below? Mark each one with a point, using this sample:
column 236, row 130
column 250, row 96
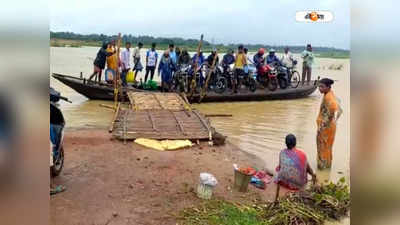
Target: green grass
column 219, row 212
column 313, row 206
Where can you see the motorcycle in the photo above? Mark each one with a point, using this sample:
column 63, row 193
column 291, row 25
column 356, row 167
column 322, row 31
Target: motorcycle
column 267, row 76
column 180, row 81
column 57, row 124
column 273, row 75
column 248, row 81
column 218, row 81
column 282, row 76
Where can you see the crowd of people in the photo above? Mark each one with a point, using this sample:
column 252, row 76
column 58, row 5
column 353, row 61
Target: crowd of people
column 170, row 60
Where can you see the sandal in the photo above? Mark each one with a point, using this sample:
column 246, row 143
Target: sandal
column 58, row 189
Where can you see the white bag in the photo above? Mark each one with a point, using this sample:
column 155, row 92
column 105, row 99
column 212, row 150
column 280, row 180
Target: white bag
column 208, row 179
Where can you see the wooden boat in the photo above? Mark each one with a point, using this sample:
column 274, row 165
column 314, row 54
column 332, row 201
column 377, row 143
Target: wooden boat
column 103, row 91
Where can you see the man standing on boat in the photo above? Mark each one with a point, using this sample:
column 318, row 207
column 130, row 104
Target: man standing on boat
column 172, row 53
column 111, row 61
column 200, row 61
column 240, row 62
column 210, row 60
column 151, row 62
column 308, row 60
column 184, row 57
column 287, row 58
column 259, row 60
column 136, row 60
column 173, row 57
column 125, row 62
column 100, row 61
column 228, row 60
column 272, row 58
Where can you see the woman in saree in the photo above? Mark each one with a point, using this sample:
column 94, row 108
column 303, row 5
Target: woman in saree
column 293, row 166
column 329, row 113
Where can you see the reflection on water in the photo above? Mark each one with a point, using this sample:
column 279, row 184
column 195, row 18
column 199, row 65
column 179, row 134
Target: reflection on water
column 256, row 127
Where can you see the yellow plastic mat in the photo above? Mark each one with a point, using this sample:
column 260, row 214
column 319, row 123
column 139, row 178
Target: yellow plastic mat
column 165, row 145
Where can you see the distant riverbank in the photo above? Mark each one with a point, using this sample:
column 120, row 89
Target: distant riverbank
column 58, row 42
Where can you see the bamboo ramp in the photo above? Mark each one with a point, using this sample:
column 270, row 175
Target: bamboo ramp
column 157, row 101
column 160, row 116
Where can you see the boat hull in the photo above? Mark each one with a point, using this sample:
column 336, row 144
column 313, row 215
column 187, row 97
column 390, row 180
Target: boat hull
column 95, row 91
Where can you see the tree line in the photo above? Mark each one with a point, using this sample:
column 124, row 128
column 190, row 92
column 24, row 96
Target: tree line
column 191, row 44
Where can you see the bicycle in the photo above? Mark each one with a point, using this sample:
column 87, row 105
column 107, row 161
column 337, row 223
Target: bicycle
column 294, row 76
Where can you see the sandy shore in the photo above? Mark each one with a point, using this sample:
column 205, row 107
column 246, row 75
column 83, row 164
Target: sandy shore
column 112, row 183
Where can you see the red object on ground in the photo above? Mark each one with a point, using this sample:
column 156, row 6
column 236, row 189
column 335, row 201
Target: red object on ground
column 264, row 177
column 248, row 171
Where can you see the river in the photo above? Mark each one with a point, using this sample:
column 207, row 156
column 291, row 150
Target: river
column 256, row 127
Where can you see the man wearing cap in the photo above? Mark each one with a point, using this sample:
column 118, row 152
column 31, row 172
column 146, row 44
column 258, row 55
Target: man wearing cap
column 272, row 58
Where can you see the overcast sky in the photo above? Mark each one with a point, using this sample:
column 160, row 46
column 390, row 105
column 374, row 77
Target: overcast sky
column 224, row 21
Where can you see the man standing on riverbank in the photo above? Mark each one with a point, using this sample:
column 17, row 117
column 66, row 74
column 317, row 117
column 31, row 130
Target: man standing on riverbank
column 308, row 60
column 151, row 62
column 125, row 62
column 136, row 60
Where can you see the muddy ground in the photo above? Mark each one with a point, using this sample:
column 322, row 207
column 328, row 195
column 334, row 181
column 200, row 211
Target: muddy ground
column 109, row 183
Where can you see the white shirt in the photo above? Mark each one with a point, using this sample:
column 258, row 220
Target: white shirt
column 136, row 53
column 287, row 59
column 126, row 59
column 151, row 58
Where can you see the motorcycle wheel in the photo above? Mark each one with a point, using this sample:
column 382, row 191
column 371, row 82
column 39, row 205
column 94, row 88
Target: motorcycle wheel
column 282, row 83
column 295, row 79
column 174, row 84
column 272, row 85
column 252, row 85
column 220, row 85
column 58, row 164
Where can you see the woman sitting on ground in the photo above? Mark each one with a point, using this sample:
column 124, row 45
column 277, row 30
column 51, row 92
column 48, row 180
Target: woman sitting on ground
column 293, row 166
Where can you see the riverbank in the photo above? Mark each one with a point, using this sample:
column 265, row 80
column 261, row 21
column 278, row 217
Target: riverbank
column 112, row 183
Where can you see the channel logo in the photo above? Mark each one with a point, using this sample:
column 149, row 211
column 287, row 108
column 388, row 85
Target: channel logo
column 314, row 16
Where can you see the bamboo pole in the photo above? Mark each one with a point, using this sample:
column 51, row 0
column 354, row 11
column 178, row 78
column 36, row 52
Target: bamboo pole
column 205, row 87
column 218, row 115
column 107, row 106
column 116, row 78
column 193, row 83
column 277, row 193
column 114, row 118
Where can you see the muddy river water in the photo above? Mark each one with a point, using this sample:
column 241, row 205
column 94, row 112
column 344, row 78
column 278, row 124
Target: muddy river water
column 256, row 127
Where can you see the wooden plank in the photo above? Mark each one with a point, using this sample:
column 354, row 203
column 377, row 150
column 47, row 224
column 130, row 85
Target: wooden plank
column 179, row 124
column 205, row 124
column 158, row 100
column 152, row 120
column 160, row 124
